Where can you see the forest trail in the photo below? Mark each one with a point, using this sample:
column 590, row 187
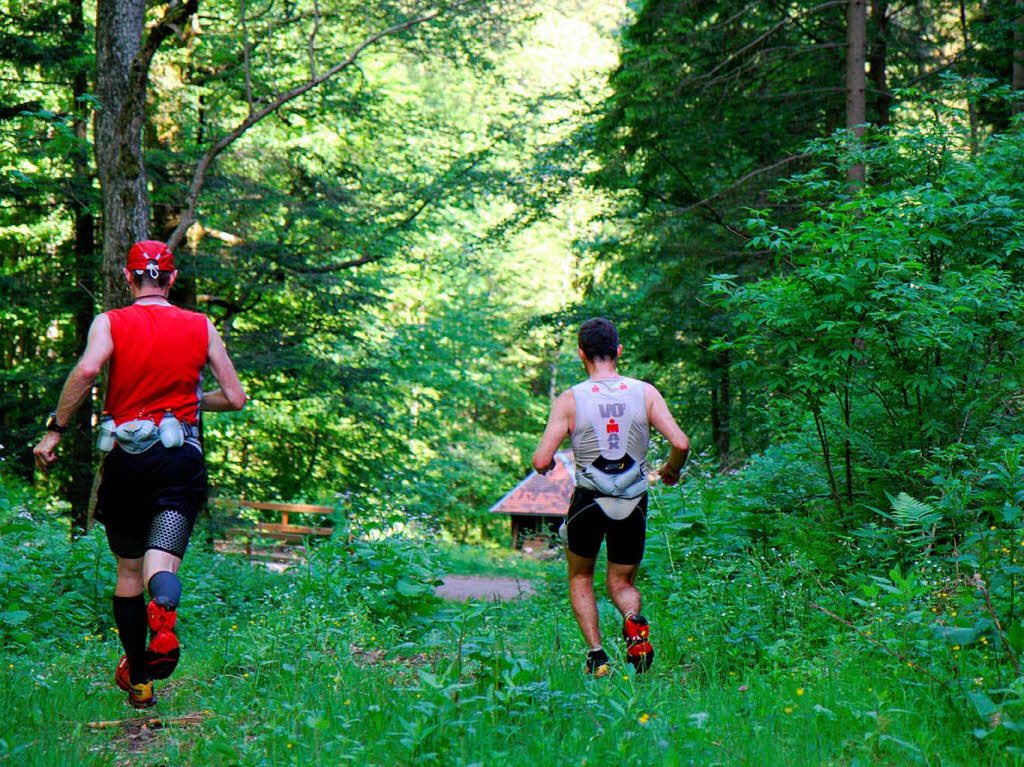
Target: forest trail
column 490, row 588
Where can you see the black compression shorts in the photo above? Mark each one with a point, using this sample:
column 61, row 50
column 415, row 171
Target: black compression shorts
column 151, row 500
column 586, row 525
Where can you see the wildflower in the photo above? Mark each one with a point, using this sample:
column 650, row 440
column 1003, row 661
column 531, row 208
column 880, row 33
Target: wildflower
column 799, row 690
column 289, row 745
column 11, row 665
column 246, row 675
column 689, row 639
column 349, row 703
column 788, row 709
column 956, row 648
column 743, row 688
column 978, row 681
column 643, row 718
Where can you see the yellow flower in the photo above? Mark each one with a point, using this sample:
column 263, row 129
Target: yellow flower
column 689, row 639
column 246, row 675
column 643, row 718
column 349, row 703
column 788, row 709
column 956, row 648
column 289, row 745
column 12, row 665
column 799, row 690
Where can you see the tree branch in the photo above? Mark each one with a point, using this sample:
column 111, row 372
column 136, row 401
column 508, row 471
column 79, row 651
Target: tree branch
column 175, row 15
column 758, row 40
column 199, row 175
column 741, row 179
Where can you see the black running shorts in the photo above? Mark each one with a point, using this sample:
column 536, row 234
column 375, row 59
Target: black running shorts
column 586, row 525
column 151, row 500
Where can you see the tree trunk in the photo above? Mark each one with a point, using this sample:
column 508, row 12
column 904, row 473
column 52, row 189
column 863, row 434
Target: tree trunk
column 856, row 111
column 972, row 113
column 1018, row 58
column 84, row 245
column 118, row 139
column 877, row 60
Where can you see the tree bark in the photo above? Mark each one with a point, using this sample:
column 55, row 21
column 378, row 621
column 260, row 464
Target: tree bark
column 972, row 113
column 877, row 60
column 1018, row 58
column 856, row 110
column 84, row 247
column 118, row 139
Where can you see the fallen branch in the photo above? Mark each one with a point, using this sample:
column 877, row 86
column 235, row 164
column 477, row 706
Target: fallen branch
column 148, row 722
column 895, row 654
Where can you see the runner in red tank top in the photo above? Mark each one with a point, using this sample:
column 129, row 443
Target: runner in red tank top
column 154, row 477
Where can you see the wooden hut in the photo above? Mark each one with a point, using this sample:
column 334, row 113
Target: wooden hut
column 538, row 504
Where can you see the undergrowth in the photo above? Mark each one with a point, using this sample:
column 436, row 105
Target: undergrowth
column 781, row 639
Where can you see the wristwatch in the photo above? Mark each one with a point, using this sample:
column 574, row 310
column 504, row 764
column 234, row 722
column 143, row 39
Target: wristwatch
column 52, row 425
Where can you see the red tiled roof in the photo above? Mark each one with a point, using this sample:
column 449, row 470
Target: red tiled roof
column 544, row 495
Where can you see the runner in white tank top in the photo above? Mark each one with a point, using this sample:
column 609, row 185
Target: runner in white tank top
column 608, row 418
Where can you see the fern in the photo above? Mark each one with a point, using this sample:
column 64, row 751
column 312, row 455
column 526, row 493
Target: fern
column 908, row 512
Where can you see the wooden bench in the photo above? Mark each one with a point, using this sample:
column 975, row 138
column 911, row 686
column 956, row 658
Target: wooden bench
column 291, row 536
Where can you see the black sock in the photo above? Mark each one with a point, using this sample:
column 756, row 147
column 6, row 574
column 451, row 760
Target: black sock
column 130, row 617
column 165, row 588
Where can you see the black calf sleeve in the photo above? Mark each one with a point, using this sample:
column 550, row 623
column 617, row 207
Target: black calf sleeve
column 165, row 588
column 130, row 617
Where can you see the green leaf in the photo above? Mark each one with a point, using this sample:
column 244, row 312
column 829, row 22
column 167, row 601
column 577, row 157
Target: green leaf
column 14, row 617
column 983, row 704
column 409, row 589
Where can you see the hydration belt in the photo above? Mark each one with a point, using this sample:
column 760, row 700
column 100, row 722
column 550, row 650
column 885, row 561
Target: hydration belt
column 619, row 483
column 140, row 435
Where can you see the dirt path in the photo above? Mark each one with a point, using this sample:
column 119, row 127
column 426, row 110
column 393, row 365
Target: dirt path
column 490, row 588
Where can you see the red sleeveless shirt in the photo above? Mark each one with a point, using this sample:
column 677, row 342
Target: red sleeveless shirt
column 159, row 353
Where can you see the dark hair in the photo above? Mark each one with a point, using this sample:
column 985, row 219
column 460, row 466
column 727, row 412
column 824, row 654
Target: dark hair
column 144, row 280
column 599, row 339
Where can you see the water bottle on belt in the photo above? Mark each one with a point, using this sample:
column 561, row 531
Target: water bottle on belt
column 105, row 437
column 171, row 432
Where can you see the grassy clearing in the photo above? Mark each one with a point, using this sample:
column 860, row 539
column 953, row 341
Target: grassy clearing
column 351, row 659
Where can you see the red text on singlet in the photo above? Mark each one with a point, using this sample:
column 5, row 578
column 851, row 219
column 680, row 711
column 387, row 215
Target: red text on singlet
column 159, row 352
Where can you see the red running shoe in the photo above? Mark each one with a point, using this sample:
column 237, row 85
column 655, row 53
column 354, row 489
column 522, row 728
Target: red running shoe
column 639, row 651
column 139, row 695
column 121, row 677
column 163, row 651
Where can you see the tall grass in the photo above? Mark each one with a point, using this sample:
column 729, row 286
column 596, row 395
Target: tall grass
column 352, row 660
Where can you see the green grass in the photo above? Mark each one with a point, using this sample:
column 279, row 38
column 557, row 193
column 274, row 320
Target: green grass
column 352, row 660
column 476, row 560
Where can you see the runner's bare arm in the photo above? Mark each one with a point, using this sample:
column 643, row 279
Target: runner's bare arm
column 230, row 395
column 563, row 413
column 98, row 349
column 660, row 418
